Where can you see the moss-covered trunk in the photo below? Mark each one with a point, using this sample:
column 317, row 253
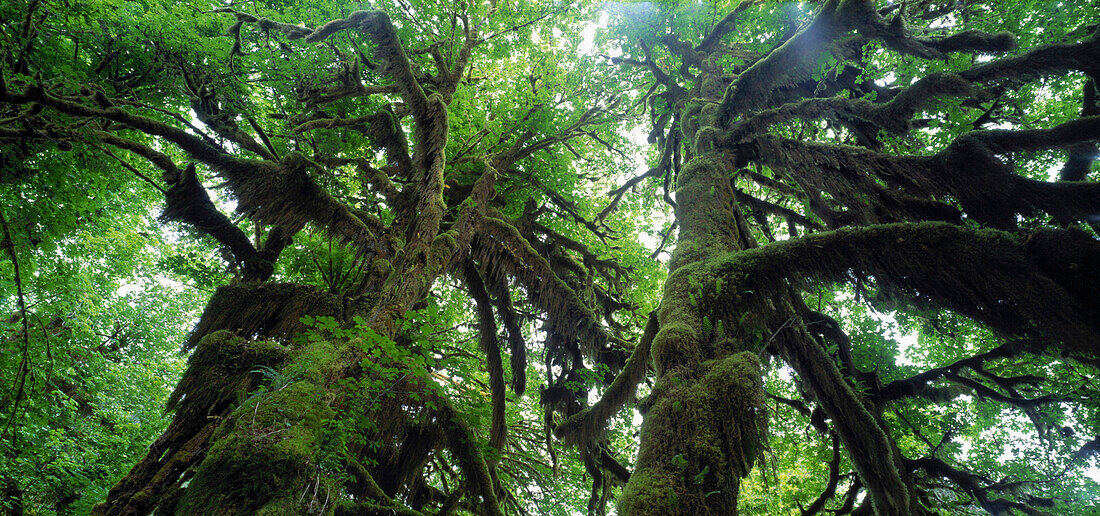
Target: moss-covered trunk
column 701, row 431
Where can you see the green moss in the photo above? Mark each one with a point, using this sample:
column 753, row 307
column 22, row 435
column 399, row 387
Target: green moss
column 303, row 404
column 220, row 370
column 676, row 343
column 380, row 268
column 316, row 362
column 708, row 113
column 700, row 432
column 704, row 434
column 698, row 167
column 705, row 138
column 690, row 119
column 442, row 248
column 266, row 351
column 650, row 492
column 265, row 456
column 736, row 379
column 705, row 210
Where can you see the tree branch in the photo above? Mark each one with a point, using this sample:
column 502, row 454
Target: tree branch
column 916, row 385
column 187, row 201
column 788, row 64
column 487, row 336
column 464, row 446
column 830, row 486
column 988, row 275
column 589, row 424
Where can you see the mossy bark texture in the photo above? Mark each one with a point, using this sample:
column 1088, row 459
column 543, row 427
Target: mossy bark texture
column 703, row 427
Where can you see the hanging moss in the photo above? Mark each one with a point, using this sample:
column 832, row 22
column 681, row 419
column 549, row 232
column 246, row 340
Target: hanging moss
column 589, row 424
column 187, row 201
column 894, row 116
column 502, row 249
column 874, row 187
column 984, row 274
column 285, row 195
column 265, row 310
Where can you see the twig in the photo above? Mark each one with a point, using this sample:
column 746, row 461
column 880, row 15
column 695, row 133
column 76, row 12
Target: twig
column 131, row 168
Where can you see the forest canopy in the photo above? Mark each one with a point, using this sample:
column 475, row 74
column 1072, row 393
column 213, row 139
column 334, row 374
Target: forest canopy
column 537, row 257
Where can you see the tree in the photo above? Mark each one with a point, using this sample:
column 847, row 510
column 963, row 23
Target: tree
column 87, row 358
column 421, row 192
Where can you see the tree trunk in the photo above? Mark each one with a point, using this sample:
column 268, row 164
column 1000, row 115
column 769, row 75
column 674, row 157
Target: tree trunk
column 702, row 430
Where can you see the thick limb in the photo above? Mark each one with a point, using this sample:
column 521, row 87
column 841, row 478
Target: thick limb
column 701, row 431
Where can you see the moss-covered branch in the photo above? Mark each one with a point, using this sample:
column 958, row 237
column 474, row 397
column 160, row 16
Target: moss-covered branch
column 487, row 336
column 1081, row 155
column 164, row 162
column 765, row 207
column 969, row 170
column 981, row 488
column 788, row 64
column 382, row 127
column 463, row 444
column 500, row 245
column 918, row 384
column 893, row 116
column 830, row 486
column 1046, row 60
column 1039, row 286
column 870, row 448
column 896, row 37
column 266, row 24
column 588, row 424
column 187, row 201
column 197, row 147
column 279, row 193
column 430, row 124
column 217, row 115
column 421, row 264
column 1002, row 141
column 501, row 296
column 390, row 51
column 723, row 27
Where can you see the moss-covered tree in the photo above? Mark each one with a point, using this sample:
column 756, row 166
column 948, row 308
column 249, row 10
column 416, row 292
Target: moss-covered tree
column 420, row 195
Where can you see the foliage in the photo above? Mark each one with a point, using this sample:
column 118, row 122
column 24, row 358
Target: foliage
column 104, row 325
column 851, row 269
